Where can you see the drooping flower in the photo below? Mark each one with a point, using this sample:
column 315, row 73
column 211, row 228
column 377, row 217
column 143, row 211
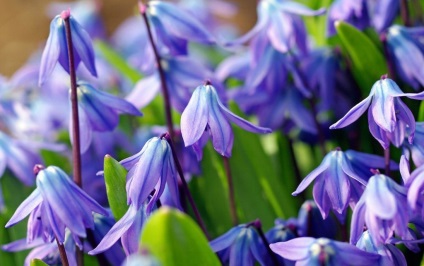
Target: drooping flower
column 362, row 14
column 338, row 182
column 56, row 48
column 279, row 22
column 241, row 245
column 389, row 119
column 416, row 148
column 205, row 114
column 152, row 169
column 99, row 111
column 390, row 254
column 311, row 223
column 57, row 203
column 383, row 208
column 407, row 52
column 323, row 251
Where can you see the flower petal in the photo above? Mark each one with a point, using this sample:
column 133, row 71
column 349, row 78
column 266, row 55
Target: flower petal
column 314, row 174
column 379, row 199
column 226, row 239
column 145, row 90
column 353, row 114
column 116, row 231
column 358, row 221
column 347, row 253
column 294, row 249
column 298, row 9
column 82, row 45
column 195, row 117
column 33, row 200
column 52, row 50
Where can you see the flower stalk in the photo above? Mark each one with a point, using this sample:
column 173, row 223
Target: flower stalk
column 258, row 226
column 164, row 87
column 62, row 254
column 199, row 219
column 231, row 195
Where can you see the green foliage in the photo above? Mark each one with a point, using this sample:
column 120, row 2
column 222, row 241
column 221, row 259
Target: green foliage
column 115, row 179
column 174, row 238
column 368, row 62
column 37, row 262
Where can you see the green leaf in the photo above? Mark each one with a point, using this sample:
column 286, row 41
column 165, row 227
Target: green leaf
column 174, row 238
column 368, row 62
column 421, row 112
column 115, row 179
column 38, row 262
column 117, row 61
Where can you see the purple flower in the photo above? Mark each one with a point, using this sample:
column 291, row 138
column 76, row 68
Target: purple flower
column 416, row 148
column 152, row 169
column 362, row 14
column 278, row 22
column 240, row 246
column 383, row 208
column 390, row 254
column 57, row 203
column 336, row 184
column 415, row 184
column 99, row 111
column 56, row 48
column 323, row 251
column 389, row 119
column 174, row 27
column 205, row 114
column 406, row 49
column 311, row 223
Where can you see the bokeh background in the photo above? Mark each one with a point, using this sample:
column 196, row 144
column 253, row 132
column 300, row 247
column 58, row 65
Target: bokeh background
column 24, row 25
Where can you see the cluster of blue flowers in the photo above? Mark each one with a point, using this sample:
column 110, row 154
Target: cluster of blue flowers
column 368, row 194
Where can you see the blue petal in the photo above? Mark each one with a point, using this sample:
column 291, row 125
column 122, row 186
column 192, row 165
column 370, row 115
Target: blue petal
column 314, row 174
column 347, row 253
column 145, row 90
column 380, row 200
column 279, row 32
column 40, row 252
column 383, row 107
column 321, row 197
column 33, row 200
column 415, row 190
column 379, row 134
column 116, row 231
column 52, row 50
column 353, row 114
column 22, row 244
column 85, row 130
column 195, row 116
column 226, row 240
column 83, row 46
column 294, row 249
column 240, row 251
column 358, row 221
column 179, row 22
column 337, row 186
column 298, row 9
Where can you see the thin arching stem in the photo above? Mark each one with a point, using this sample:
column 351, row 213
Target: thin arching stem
column 231, row 195
column 62, row 253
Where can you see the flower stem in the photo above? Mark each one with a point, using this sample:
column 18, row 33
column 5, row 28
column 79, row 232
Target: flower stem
column 76, row 153
column 62, row 253
column 76, row 148
column 199, row 219
column 258, row 226
column 164, row 87
column 231, row 194
column 404, row 12
column 387, row 161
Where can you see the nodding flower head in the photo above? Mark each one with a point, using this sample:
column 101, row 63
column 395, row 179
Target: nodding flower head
column 56, row 49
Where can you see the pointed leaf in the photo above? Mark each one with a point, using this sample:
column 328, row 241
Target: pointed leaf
column 115, row 179
column 175, row 239
column 37, row 262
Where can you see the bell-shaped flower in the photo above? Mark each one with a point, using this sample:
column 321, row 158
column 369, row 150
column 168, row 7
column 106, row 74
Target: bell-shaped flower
column 323, row 251
column 389, row 119
column 58, row 204
column 152, row 169
column 240, row 246
column 279, row 22
column 339, row 180
column 383, row 208
column 310, row 222
column 406, row 50
column 205, row 114
column 99, row 111
column 390, row 254
column 56, row 48
column 415, row 185
column 362, row 14
column 174, row 27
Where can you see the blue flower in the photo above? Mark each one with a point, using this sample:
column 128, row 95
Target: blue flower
column 390, row 254
column 406, row 50
column 152, row 169
column 383, row 208
column 56, row 48
column 240, row 246
column 416, row 148
column 99, row 111
column 311, row 223
column 57, row 203
column 205, row 114
column 323, row 251
column 338, row 182
column 389, row 119
column 279, row 23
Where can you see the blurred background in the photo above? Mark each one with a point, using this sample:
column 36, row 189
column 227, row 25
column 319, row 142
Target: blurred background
column 24, row 25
